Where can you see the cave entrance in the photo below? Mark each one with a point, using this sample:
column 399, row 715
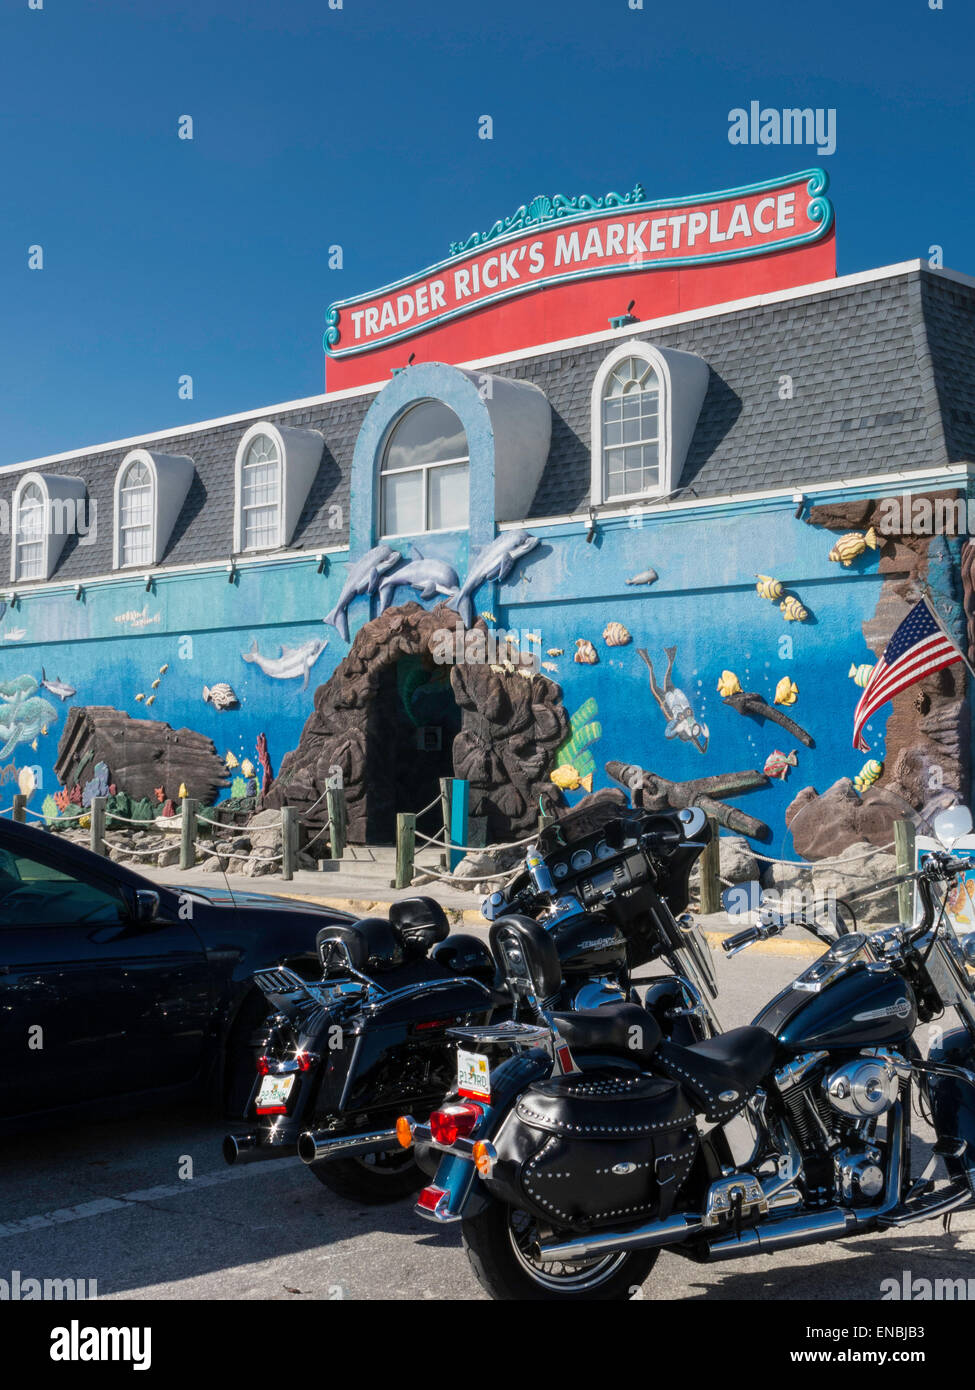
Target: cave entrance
column 413, row 720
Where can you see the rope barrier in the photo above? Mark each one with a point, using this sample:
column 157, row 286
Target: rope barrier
column 820, row 863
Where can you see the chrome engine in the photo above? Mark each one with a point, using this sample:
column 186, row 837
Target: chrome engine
column 867, row 1086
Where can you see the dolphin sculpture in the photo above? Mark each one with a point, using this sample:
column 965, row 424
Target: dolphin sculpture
column 293, row 661
column 363, row 579
column 495, row 562
column 57, row 687
column 428, row 576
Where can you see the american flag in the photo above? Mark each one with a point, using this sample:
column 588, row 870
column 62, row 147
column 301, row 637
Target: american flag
column 918, row 647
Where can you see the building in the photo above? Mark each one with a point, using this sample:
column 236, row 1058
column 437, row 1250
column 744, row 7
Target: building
column 633, row 480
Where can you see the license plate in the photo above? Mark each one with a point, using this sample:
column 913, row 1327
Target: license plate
column 473, row 1075
column 272, row 1098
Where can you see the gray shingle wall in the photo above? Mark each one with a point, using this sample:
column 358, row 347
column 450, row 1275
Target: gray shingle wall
column 883, row 376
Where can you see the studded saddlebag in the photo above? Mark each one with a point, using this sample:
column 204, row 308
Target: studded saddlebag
column 596, row 1148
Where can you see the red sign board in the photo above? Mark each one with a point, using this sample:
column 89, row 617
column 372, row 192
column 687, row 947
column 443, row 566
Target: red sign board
column 556, row 241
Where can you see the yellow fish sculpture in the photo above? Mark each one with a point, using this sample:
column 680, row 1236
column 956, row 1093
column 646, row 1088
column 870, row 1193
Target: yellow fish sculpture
column 860, row 674
column 729, row 684
column 567, row 779
column 769, row 588
column 854, row 543
column 793, row 611
column 868, row 774
column 786, row 692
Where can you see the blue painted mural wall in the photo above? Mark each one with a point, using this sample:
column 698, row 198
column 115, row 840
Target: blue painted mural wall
column 111, row 644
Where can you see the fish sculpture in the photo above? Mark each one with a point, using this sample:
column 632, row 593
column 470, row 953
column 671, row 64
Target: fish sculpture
column 644, row 577
column 487, row 616
column 729, row 684
column 364, row 578
column 58, row 687
column 549, row 666
column 870, row 772
column 567, row 778
column 151, row 700
column 428, row 576
column 555, row 651
column 854, row 543
column 860, row 674
column 140, row 697
column 769, row 588
column 676, row 708
column 786, row 692
column 777, row 764
column 230, row 761
column 585, row 653
column 792, row 610
column 220, row 696
column 164, row 669
column 247, row 768
column 495, row 562
column 156, row 684
column 616, row 635
column 293, row 661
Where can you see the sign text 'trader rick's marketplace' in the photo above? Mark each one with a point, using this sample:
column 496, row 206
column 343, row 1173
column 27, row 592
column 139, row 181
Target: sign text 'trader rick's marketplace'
column 552, row 240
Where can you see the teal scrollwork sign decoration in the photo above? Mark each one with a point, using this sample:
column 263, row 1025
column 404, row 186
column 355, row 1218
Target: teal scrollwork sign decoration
column 543, row 209
column 819, row 209
column 332, row 333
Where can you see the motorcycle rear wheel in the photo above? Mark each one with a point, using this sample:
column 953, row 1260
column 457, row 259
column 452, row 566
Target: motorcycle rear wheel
column 373, row 1179
column 498, row 1243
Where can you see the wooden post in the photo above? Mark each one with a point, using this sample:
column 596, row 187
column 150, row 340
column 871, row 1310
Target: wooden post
column 335, row 801
column 20, row 807
column 289, row 842
column 98, row 805
column 457, row 833
column 445, row 813
column 904, row 849
column 710, row 862
column 405, row 848
column 187, row 849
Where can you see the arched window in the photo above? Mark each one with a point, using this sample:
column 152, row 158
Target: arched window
column 260, row 492
column 631, row 429
column 30, row 529
column 645, row 406
column 135, row 514
column 424, row 472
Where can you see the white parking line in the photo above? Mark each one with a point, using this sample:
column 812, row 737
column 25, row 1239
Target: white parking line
column 100, row 1205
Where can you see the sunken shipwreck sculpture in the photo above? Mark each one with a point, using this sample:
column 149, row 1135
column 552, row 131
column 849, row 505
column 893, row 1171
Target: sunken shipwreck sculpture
column 651, row 792
column 749, row 702
column 140, row 754
column 506, row 730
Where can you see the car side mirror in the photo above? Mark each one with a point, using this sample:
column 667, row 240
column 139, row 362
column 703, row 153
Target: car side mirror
column 742, row 898
column 146, row 905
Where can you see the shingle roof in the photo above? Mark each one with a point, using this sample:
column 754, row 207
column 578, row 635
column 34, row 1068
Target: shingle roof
column 883, row 379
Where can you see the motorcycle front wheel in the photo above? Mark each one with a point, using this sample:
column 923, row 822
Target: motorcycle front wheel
column 499, row 1242
column 374, row 1179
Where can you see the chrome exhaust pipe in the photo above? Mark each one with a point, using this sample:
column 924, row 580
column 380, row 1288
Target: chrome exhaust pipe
column 247, row 1148
column 315, row 1148
column 669, row 1232
column 786, row 1234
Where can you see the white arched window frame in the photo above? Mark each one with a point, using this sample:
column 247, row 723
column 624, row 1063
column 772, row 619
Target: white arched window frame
column 150, row 490
column 273, row 473
column 46, row 509
column 644, row 409
column 424, row 472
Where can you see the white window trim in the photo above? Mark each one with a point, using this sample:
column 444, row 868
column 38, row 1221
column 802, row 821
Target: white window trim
column 299, row 455
column 426, row 469
column 54, row 487
column 170, row 476
column 682, row 381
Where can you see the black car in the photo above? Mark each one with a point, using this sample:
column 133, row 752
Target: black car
column 113, row 986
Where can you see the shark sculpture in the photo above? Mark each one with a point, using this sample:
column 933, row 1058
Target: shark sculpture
column 428, row 576
column 293, row 661
column 495, row 562
column 363, row 578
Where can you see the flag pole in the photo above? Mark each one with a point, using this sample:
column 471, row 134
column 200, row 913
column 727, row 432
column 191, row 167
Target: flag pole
column 927, row 597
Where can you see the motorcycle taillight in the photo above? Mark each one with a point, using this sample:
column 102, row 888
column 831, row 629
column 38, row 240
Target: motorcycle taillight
column 454, row 1122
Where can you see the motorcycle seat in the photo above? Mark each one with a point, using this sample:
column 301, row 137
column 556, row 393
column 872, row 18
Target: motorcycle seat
column 625, row 1030
column 720, row 1073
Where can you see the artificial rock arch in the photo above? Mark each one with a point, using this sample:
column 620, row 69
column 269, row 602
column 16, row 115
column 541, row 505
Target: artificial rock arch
column 511, row 728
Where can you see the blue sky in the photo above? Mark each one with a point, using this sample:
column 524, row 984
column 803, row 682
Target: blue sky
column 358, row 126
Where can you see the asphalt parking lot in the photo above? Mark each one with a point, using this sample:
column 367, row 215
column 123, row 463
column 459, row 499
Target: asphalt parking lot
column 145, row 1206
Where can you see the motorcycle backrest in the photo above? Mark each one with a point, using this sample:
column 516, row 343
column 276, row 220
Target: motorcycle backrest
column 371, row 944
column 421, row 922
column 527, row 955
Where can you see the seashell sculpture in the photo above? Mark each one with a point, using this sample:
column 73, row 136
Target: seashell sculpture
column 616, row 635
column 585, row 653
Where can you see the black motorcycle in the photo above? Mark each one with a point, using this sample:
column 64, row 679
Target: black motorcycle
column 585, row 1154
column 343, row 1055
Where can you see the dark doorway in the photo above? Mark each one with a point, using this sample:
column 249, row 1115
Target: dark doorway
column 412, row 723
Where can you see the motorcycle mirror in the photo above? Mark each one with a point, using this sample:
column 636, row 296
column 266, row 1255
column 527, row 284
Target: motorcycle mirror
column 952, row 824
column 693, row 820
column 742, row 898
